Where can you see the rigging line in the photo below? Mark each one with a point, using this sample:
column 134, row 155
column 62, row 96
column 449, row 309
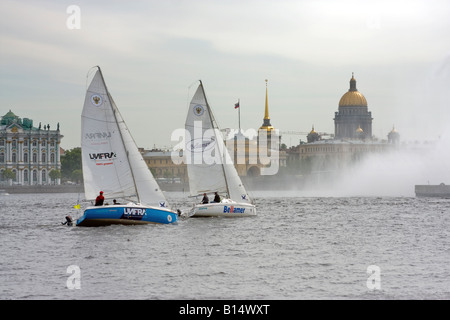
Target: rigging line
column 88, row 74
column 115, row 110
column 188, row 89
column 212, row 118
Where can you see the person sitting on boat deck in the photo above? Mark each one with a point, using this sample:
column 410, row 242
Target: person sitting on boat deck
column 99, row 200
column 205, row 199
column 216, row 197
column 115, row 202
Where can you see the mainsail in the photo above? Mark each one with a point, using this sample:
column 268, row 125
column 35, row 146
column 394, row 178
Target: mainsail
column 210, row 167
column 111, row 160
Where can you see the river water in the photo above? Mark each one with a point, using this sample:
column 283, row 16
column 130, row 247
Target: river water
column 296, row 248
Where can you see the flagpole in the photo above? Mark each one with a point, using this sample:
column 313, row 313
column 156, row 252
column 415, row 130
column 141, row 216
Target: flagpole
column 239, row 111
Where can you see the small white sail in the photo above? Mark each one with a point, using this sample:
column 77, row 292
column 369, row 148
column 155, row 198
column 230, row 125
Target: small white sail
column 210, row 167
column 111, row 160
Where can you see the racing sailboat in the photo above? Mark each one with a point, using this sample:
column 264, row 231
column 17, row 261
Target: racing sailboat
column 209, row 165
column 113, row 164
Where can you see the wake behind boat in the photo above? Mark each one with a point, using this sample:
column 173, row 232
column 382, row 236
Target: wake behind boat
column 210, row 168
column 112, row 163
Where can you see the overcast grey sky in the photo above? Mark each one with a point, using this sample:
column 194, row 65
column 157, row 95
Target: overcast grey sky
column 152, row 52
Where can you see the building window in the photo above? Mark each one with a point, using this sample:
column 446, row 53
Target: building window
column 43, row 158
column 25, row 157
column 44, row 176
column 14, row 158
column 2, row 157
column 34, row 143
column 25, row 143
column 14, row 144
column 25, row 175
column 2, row 142
column 43, row 143
column 52, row 158
column 34, row 157
column 34, row 176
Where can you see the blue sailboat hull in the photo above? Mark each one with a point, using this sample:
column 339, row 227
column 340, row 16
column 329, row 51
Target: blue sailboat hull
column 125, row 214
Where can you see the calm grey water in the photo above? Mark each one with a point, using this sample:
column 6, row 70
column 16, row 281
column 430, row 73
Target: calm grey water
column 296, row 248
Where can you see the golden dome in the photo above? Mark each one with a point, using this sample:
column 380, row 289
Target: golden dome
column 359, row 130
column 353, row 97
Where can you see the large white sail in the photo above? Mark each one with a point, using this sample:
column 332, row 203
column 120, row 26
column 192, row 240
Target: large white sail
column 111, row 160
column 210, row 167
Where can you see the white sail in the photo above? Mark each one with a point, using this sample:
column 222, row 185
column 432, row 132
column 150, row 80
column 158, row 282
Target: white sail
column 210, row 167
column 111, row 160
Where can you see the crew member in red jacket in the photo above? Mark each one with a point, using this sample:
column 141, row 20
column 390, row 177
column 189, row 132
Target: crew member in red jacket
column 99, row 200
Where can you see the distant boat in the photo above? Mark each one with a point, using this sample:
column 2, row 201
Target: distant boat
column 208, row 174
column 426, row 190
column 113, row 164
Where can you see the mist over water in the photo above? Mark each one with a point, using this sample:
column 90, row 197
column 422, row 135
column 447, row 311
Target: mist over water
column 424, row 113
column 394, row 173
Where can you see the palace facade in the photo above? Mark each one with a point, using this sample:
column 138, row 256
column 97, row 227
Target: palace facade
column 31, row 153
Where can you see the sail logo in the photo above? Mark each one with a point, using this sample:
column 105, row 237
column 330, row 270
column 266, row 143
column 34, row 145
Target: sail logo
column 96, row 100
column 102, row 156
column 98, row 135
column 198, row 110
column 232, row 209
column 134, row 211
column 201, row 144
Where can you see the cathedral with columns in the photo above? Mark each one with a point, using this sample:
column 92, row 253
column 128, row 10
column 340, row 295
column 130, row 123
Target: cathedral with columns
column 352, row 139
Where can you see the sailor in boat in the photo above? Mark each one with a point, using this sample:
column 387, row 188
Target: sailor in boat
column 99, row 200
column 216, row 197
column 205, row 199
column 115, row 202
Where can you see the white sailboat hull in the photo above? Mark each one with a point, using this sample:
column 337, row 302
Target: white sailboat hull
column 224, row 209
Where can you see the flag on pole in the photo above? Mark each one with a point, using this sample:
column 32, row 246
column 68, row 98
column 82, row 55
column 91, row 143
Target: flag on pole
column 236, row 105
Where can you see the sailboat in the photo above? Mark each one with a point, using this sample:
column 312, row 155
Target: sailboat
column 113, row 164
column 209, row 165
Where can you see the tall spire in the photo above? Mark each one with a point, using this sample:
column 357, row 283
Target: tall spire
column 266, row 114
column 266, row 124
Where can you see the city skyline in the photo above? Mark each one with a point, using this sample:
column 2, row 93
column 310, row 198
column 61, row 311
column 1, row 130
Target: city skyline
column 152, row 54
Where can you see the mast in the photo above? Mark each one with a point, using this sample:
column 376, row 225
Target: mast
column 215, row 127
column 120, row 132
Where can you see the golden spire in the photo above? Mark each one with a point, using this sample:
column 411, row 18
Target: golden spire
column 266, row 114
column 266, row 123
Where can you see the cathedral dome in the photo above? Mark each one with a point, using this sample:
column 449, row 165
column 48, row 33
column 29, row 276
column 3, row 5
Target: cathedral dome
column 353, row 97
